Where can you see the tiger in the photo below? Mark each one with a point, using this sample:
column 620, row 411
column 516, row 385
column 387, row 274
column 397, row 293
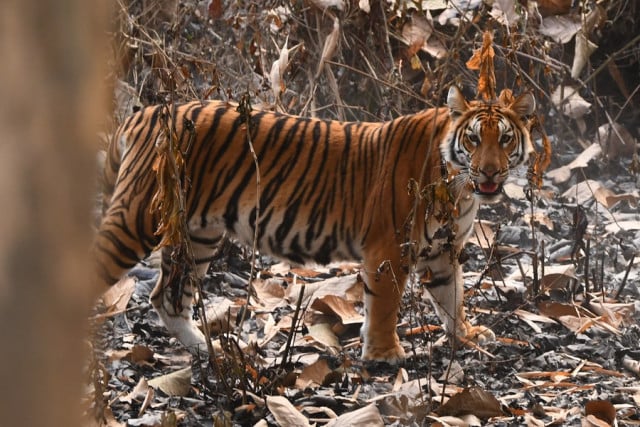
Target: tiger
column 329, row 190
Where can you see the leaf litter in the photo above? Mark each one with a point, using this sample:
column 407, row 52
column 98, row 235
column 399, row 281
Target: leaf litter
column 567, row 354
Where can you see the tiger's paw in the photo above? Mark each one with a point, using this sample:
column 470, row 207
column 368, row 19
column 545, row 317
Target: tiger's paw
column 477, row 334
column 391, row 354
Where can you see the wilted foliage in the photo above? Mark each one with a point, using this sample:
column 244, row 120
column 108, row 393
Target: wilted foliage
column 374, row 60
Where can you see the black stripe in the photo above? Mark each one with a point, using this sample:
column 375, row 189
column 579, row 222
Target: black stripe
column 436, row 282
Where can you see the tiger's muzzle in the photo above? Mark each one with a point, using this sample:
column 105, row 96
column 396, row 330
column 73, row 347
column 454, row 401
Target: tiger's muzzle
column 488, row 186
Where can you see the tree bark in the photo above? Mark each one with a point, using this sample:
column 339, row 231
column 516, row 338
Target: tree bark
column 51, row 101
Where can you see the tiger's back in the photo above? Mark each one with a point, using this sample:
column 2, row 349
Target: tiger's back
column 321, row 191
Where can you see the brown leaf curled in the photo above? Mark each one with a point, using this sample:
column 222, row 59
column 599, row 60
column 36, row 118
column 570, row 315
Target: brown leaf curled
column 482, row 60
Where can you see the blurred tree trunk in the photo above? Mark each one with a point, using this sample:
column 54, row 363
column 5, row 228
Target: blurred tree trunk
column 51, row 98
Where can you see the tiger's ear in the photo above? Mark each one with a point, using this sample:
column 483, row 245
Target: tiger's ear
column 456, row 102
column 524, row 105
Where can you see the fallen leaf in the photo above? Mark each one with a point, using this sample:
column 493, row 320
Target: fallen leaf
column 504, row 11
column 139, row 392
column 554, row 7
column 176, row 383
column 364, row 6
column 117, row 296
column 632, row 365
column 626, row 225
column 346, row 287
column 322, row 333
column 616, row 141
column 472, row 401
column 270, row 293
column 330, row 46
column 593, row 421
column 555, row 310
column 582, row 192
column 560, row 28
column 345, row 310
column 569, row 102
column 363, row 417
column 562, row 174
column 215, row 9
column 219, row 312
column 601, row 409
column 285, row 413
column 483, row 235
column 314, row 375
column 584, row 49
column 559, row 280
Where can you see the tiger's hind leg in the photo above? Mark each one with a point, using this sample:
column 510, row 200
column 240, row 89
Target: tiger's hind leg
column 173, row 294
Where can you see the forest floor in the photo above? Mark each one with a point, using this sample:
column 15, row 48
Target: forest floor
column 557, row 278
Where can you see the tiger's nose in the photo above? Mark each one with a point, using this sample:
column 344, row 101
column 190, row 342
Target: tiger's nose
column 489, row 171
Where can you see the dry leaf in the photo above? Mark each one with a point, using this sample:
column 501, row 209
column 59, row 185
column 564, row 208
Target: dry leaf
column 504, row 11
column 215, row 9
column 539, row 218
column 176, row 383
column 562, row 174
column 560, row 28
column 483, row 235
column 631, row 365
column 330, row 46
column 472, row 401
column 569, row 102
column 616, row 141
column 139, row 392
column 554, row 7
column 219, row 312
column 363, row 417
column 585, row 191
column 323, row 334
column 601, row 409
column 335, row 305
column 270, row 293
column 324, row 4
column 558, row 277
column 482, row 60
column 555, row 310
column 593, row 421
column 454, row 7
column 622, row 225
column 314, row 375
column 364, row 6
column 612, row 310
column 584, row 49
column 285, row 413
column 117, row 297
column 416, row 33
column 346, row 287
column 609, row 199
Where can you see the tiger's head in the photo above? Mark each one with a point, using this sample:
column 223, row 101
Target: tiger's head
column 487, row 139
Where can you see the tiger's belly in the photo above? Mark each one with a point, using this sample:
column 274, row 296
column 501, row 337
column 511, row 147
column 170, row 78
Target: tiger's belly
column 299, row 239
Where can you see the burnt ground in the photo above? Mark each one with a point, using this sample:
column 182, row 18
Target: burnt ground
column 554, row 275
column 554, row 352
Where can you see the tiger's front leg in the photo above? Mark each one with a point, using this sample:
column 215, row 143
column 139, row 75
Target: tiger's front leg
column 384, row 285
column 446, row 292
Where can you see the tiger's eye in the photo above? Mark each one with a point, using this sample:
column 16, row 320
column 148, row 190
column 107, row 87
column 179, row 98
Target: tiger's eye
column 473, row 138
column 505, row 139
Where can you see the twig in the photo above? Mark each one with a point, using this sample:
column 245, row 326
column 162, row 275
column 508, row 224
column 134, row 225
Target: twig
column 244, row 108
column 286, row 357
column 624, row 279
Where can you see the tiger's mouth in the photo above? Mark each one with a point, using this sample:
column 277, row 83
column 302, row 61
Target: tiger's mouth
column 487, row 188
